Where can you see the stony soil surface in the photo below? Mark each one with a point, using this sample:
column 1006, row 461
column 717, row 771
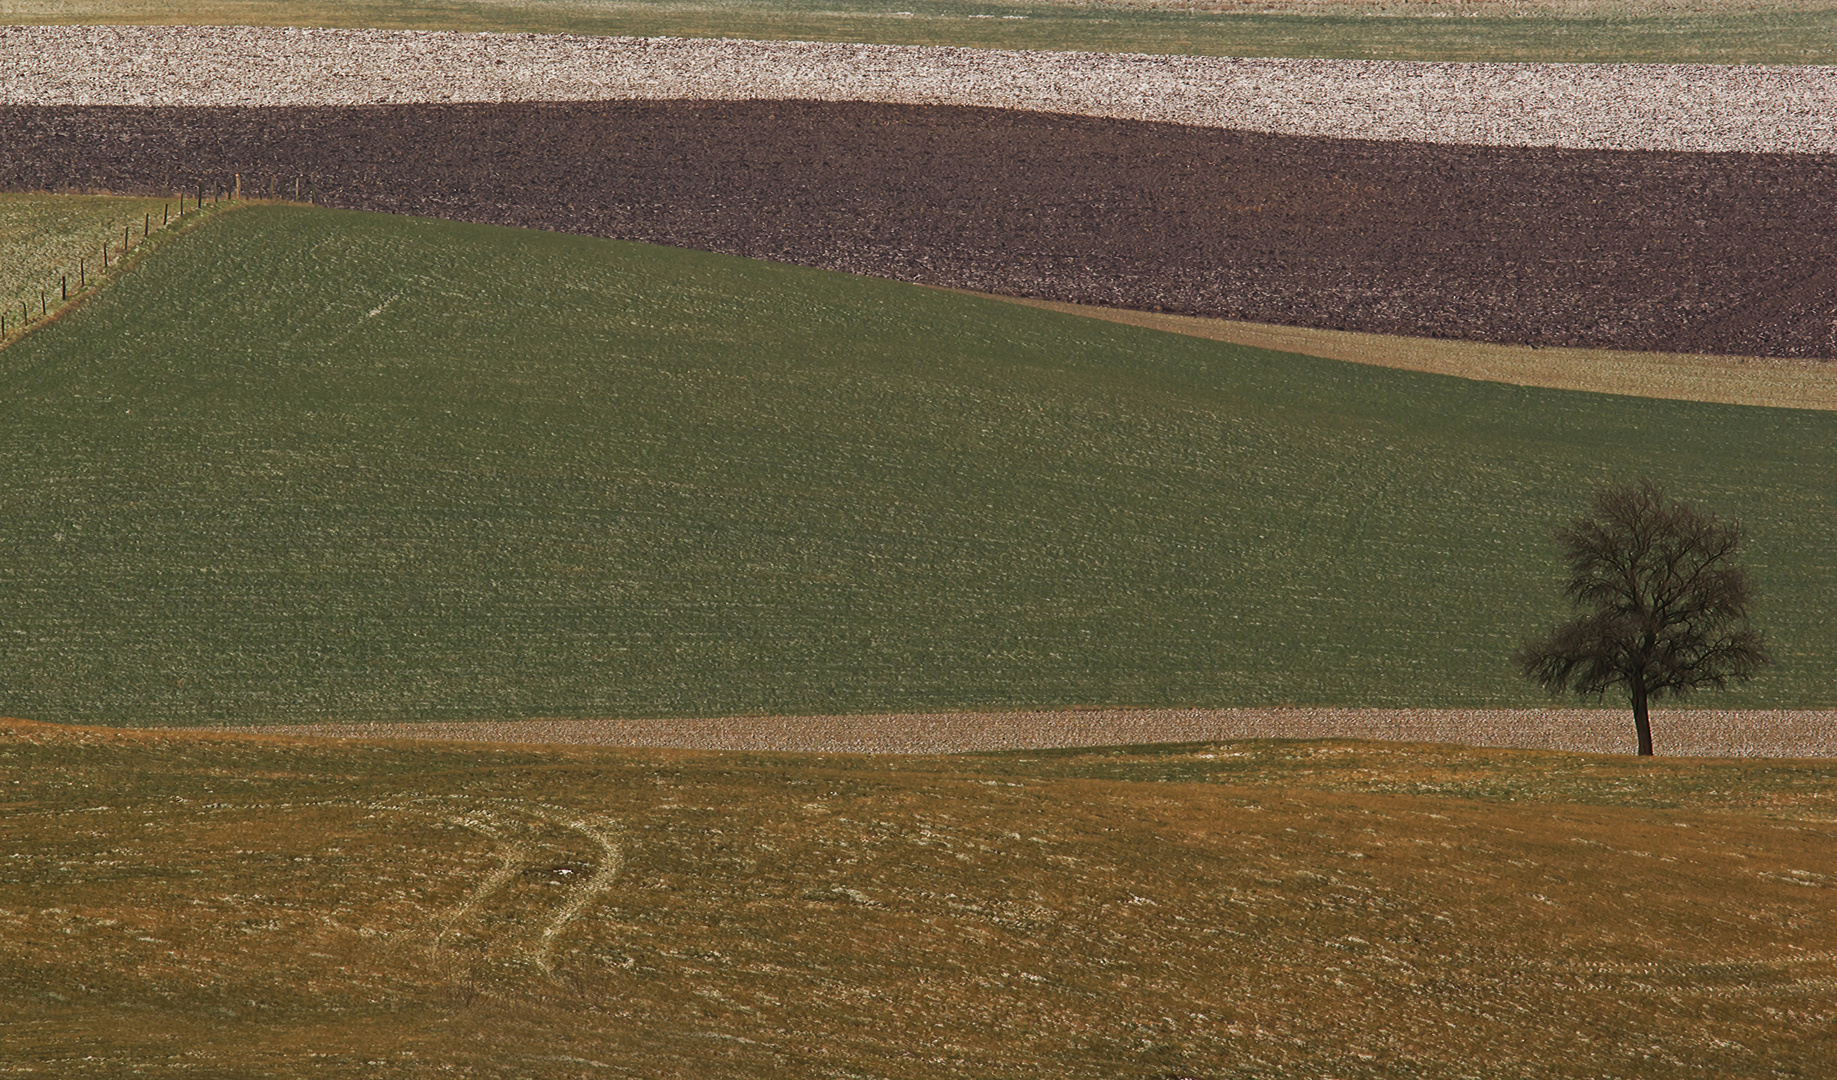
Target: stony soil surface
column 1652, row 208
column 1676, row 732
column 1658, row 251
column 1620, row 106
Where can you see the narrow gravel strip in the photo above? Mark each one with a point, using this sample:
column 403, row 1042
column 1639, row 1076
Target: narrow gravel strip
column 1582, row 106
column 1676, row 732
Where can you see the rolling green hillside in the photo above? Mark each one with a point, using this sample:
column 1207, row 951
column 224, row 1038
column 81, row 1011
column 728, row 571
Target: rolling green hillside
column 307, row 464
column 1646, row 31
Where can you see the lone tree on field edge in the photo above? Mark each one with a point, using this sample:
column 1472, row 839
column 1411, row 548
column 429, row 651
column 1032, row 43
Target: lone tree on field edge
column 1664, row 607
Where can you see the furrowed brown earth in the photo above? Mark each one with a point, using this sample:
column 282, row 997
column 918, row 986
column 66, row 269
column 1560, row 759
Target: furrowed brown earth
column 1639, row 250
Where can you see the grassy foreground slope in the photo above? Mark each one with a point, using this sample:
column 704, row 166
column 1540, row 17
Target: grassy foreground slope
column 1639, row 31
column 178, row 905
column 309, row 464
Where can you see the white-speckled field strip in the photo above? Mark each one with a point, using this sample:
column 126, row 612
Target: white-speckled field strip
column 1584, row 106
column 1679, row 732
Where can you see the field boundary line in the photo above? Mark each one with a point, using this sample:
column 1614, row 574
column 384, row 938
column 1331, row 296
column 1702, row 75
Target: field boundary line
column 1769, row 382
column 1802, row 733
column 151, row 244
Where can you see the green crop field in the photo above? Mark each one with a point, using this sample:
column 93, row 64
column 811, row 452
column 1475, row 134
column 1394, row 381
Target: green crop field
column 306, row 464
column 1768, row 33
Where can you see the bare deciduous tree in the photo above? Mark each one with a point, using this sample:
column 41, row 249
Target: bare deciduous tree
column 1665, row 610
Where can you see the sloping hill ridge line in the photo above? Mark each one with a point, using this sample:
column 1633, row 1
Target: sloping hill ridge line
column 1721, row 253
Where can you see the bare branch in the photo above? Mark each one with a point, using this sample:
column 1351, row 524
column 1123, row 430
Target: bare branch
column 1664, row 607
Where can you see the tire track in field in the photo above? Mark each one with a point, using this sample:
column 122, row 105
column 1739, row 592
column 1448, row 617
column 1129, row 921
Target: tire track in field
column 516, row 855
column 582, row 896
column 513, row 857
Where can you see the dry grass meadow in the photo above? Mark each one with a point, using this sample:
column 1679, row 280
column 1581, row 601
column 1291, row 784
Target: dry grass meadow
column 214, row 905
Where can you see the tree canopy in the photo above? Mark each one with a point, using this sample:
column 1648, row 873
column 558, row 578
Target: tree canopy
column 1664, row 607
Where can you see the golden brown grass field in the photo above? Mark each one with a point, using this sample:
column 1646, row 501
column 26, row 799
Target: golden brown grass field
column 184, row 904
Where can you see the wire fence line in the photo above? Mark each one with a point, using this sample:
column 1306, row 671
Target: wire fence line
column 99, row 257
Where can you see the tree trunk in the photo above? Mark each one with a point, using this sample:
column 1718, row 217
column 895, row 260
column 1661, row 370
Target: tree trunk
column 1641, row 723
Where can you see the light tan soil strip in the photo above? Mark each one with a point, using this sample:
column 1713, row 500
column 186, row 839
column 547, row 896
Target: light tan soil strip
column 1677, row 732
column 1735, row 380
column 1698, row 107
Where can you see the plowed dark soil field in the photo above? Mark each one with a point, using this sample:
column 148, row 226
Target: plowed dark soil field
column 1712, row 253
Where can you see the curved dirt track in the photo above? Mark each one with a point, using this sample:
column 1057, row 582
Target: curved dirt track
column 1638, row 250
column 1676, row 732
